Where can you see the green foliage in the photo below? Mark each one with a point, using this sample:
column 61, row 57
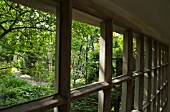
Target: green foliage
column 14, row 90
column 117, row 45
column 87, row 104
column 4, row 70
column 93, row 65
column 49, row 78
column 85, row 53
column 116, row 97
column 12, row 81
column 27, row 36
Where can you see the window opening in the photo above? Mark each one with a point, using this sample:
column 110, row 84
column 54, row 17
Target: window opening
column 84, row 54
column 117, row 56
column 27, row 62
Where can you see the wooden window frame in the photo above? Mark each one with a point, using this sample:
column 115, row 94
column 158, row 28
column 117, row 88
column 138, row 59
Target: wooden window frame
column 128, row 70
column 139, row 81
column 64, row 95
column 105, row 65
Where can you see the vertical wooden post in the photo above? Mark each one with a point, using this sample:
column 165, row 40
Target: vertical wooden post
column 161, row 68
column 139, row 81
column 149, row 58
column 158, row 77
column 152, row 77
column 163, row 73
column 56, row 78
column 145, row 74
column 155, row 77
column 168, row 77
column 162, row 77
column 105, row 69
column 126, row 103
column 64, row 53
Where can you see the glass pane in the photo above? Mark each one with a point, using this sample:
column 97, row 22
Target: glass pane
column 84, row 54
column 27, row 53
column 117, row 59
column 87, row 104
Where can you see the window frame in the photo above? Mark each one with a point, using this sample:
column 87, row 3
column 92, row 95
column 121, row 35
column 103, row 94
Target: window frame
column 64, row 94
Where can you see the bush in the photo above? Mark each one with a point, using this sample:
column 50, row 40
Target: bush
column 88, row 104
column 4, row 69
column 14, row 90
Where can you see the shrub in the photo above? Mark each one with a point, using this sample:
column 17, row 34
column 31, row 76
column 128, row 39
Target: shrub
column 14, row 90
column 88, row 104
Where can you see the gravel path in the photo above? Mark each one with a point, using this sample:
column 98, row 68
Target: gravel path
column 29, row 79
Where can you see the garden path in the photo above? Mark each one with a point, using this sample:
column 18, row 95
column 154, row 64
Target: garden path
column 29, row 79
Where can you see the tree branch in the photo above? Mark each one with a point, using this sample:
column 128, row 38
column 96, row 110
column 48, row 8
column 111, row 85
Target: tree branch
column 27, row 27
column 10, row 5
column 23, row 27
column 4, row 33
column 2, row 27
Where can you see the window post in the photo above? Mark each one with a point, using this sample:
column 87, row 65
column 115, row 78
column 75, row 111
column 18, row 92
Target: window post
column 139, row 81
column 158, row 76
column 155, row 76
column 64, row 53
column 105, row 65
column 149, row 66
column 127, row 69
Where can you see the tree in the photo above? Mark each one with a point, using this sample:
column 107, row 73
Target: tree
column 27, row 42
column 85, row 46
column 26, row 34
column 16, row 17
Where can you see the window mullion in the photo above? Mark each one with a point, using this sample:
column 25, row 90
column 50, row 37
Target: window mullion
column 158, row 76
column 149, row 58
column 139, row 81
column 105, row 70
column 155, row 76
column 64, row 53
column 127, row 86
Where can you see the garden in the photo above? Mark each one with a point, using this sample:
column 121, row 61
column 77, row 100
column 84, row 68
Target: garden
column 28, row 52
